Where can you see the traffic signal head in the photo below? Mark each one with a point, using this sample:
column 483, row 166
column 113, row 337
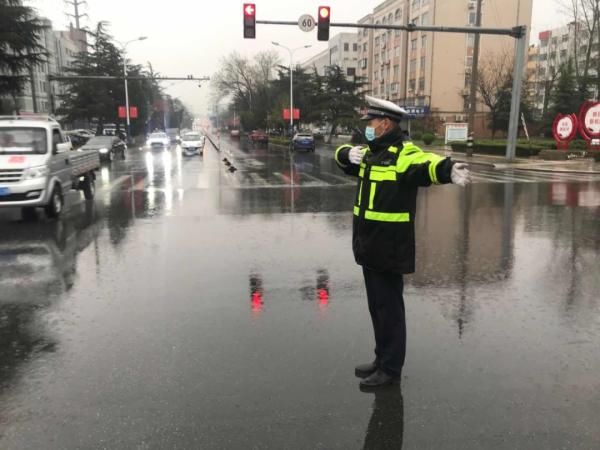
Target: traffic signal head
column 323, row 23
column 249, row 21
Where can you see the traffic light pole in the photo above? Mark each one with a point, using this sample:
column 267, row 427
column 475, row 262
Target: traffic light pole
column 519, row 33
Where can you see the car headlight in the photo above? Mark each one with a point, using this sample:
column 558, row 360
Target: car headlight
column 103, row 150
column 35, row 172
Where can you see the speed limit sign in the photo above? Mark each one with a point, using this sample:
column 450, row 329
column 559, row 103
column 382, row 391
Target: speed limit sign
column 306, row 22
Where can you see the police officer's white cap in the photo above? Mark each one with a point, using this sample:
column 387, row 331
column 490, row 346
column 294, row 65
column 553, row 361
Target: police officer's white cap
column 379, row 108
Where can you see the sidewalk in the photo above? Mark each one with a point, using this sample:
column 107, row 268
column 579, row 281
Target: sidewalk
column 585, row 166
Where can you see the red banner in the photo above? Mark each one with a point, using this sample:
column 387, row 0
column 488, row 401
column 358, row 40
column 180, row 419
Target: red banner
column 133, row 112
column 286, row 114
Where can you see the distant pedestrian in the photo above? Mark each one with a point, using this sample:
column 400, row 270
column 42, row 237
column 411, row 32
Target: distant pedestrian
column 390, row 171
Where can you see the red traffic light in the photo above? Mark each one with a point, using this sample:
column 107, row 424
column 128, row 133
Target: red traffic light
column 323, row 23
column 249, row 20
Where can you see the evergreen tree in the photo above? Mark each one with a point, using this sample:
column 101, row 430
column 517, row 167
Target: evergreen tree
column 565, row 96
column 20, row 49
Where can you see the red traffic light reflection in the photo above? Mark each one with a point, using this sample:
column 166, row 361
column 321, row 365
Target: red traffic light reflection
column 324, row 12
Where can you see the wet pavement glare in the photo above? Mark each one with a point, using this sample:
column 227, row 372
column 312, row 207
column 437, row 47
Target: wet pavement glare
column 194, row 307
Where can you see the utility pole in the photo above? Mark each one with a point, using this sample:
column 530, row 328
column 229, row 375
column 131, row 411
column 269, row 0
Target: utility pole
column 77, row 16
column 474, row 73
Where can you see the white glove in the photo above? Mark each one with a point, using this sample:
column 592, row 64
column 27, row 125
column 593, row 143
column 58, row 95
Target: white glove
column 460, row 175
column 356, row 155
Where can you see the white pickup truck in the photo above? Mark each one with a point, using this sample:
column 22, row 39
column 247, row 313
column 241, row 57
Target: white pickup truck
column 38, row 165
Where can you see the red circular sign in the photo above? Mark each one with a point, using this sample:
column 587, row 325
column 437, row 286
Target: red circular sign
column 564, row 129
column 589, row 120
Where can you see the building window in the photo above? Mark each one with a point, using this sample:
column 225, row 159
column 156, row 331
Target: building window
column 354, row 47
column 422, row 63
column 415, row 4
column 397, row 51
column 351, row 71
column 565, row 38
column 425, row 19
column 365, row 31
column 394, row 87
column 424, row 41
column 377, row 58
column 563, row 54
column 346, row 47
column 413, row 44
column 422, row 84
column 376, row 90
column 365, row 47
column 397, row 33
column 472, row 18
column 376, row 75
column 377, row 41
column 413, row 66
column 412, row 83
column 384, row 21
column 398, row 15
column 470, row 40
column 396, row 71
column 390, row 18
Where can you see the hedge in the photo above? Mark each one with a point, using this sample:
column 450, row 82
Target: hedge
column 499, row 148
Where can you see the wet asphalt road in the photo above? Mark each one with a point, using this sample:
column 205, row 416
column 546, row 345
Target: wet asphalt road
column 192, row 307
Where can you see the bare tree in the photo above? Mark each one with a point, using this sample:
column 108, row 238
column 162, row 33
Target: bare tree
column 494, row 76
column 586, row 29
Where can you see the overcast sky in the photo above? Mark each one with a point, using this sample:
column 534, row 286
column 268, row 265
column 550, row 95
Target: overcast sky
column 190, row 36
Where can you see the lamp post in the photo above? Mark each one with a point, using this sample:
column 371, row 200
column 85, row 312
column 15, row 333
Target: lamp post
column 124, row 48
column 291, row 52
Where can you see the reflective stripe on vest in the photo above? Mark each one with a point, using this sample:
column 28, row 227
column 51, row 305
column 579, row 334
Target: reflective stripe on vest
column 372, row 195
column 384, row 217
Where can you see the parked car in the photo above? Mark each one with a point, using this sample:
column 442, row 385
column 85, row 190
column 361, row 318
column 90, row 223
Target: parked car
column 304, row 141
column 258, row 136
column 234, row 133
column 158, row 140
column 192, row 144
column 38, row 166
column 107, row 146
column 77, row 138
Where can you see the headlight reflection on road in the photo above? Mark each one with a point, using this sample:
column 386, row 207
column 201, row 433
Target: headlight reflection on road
column 105, row 175
column 150, row 167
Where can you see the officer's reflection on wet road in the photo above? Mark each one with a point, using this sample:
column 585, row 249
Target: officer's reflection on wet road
column 190, row 306
column 386, row 426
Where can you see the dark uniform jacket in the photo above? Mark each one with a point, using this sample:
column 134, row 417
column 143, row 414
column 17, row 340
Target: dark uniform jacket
column 383, row 237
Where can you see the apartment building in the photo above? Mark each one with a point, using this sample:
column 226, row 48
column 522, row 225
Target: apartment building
column 555, row 48
column 62, row 46
column 342, row 50
column 432, row 71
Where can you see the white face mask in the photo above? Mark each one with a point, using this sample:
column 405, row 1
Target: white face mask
column 370, row 133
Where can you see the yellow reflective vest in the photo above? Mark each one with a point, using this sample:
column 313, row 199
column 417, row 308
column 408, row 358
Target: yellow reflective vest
column 385, row 204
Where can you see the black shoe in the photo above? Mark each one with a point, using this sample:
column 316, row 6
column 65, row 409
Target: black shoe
column 365, row 370
column 379, row 379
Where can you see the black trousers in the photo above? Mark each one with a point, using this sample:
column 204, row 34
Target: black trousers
column 386, row 305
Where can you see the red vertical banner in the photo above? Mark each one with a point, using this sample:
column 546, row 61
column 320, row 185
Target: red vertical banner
column 122, row 112
column 133, row 112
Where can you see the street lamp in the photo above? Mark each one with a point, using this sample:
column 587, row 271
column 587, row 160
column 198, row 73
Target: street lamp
column 124, row 48
column 291, row 52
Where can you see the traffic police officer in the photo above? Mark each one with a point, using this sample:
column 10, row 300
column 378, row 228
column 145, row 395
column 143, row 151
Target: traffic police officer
column 390, row 170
